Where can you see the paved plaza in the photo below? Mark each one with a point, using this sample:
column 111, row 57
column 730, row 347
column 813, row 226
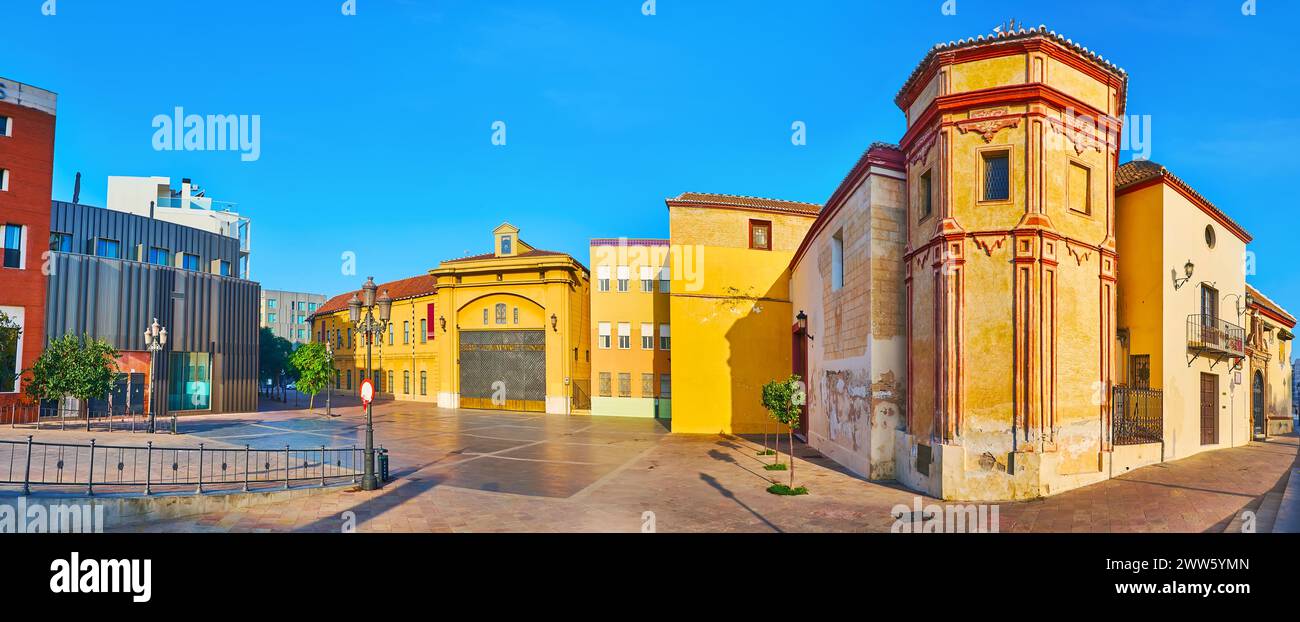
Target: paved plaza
column 486, row 471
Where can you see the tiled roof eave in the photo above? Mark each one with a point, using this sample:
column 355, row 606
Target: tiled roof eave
column 1021, row 34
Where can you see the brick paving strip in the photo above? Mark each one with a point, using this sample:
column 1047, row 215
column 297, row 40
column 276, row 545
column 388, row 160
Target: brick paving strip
column 478, row 471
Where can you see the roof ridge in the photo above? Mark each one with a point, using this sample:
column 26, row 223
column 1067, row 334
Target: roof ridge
column 741, row 196
column 1019, row 34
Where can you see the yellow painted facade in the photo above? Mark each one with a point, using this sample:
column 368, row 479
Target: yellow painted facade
column 1010, row 276
column 631, row 332
column 521, row 312
column 515, row 288
column 730, row 305
column 405, row 359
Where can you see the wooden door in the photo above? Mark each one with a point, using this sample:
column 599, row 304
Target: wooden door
column 799, row 357
column 1209, row 409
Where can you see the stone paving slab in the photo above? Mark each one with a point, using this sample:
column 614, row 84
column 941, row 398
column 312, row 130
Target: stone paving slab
column 484, row 471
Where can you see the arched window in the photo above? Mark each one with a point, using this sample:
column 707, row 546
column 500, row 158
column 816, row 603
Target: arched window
column 501, row 313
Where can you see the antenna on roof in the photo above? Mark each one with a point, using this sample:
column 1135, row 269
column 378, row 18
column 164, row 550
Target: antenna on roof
column 1007, row 27
column 76, row 189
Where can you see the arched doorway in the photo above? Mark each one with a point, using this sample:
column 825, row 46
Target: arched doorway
column 1257, row 402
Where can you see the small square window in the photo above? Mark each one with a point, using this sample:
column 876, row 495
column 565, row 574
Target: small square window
column 997, row 181
column 760, row 235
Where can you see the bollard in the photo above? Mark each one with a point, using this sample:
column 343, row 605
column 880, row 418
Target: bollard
column 90, row 479
column 286, row 467
column 27, row 476
column 200, row 489
column 248, row 466
column 355, row 462
column 148, row 467
column 322, row 466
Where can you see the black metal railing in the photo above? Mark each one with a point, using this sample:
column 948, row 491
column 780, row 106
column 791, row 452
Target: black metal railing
column 1206, row 332
column 50, row 418
column 1137, row 416
column 32, row 464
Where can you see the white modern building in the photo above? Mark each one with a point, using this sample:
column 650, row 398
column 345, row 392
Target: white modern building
column 188, row 205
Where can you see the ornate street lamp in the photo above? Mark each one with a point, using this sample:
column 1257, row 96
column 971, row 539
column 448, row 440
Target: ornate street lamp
column 370, row 316
column 155, row 337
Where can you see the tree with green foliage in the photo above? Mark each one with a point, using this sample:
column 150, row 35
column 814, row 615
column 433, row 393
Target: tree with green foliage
column 784, row 400
column 74, row 366
column 273, row 357
column 313, row 367
column 9, row 333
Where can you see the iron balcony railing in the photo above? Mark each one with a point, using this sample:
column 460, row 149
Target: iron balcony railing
column 115, row 468
column 1137, row 416
column 1206, row 332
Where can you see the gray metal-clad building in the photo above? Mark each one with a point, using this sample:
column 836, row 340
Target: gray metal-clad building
column 163, row 270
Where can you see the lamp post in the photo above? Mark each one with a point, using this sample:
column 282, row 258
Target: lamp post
column 155, row 337
column 329, row 382
column 362, row 313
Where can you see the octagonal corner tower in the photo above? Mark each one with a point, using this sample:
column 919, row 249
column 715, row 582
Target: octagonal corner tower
column 1010, row 151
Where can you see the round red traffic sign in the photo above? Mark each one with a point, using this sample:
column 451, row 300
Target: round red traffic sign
column 367, row 391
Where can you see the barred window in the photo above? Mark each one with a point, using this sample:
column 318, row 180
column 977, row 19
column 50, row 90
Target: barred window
column 647, row 385
column 406, row 382
column 624, row 384
column 604, row 384
column 996, row 176
column 501, row 313
column 424, row 383
column 665, row 386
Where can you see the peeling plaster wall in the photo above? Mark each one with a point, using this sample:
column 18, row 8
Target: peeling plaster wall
column 857, row 357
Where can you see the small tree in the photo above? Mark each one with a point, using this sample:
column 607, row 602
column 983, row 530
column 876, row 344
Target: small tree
column 72, row 366
column 313, row 367
column 784, row 400
column 9, row 333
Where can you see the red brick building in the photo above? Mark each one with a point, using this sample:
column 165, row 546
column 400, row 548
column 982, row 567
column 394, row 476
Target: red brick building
column 26, row 170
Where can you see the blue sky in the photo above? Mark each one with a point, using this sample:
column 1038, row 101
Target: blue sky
column 376, row 128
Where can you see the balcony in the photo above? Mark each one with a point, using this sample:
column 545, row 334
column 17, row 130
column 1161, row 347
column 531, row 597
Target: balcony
column 1214, row 338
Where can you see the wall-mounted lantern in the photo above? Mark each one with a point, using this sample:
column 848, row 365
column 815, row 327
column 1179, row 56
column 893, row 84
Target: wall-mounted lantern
column 802, row 318
column 442, row 322
column 555, row 323
column 1188, row 268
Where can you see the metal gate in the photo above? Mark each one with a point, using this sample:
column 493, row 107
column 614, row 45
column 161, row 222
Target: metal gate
column 503, row 369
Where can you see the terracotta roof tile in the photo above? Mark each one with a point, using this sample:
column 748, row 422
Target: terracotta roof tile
column 1254, row 296
column 400, row 289
column 1020, row 34
column 705, row 199
column 629, row 242
column 1135, row 172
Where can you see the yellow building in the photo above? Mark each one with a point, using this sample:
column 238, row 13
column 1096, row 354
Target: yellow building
column 1010, row 266
column 505, row 330
column 1182, row 302
column 630, row 362
column 1268, row 343
column 405, row 359
column 996, row 309
column 512, row 329
column 730, row 306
